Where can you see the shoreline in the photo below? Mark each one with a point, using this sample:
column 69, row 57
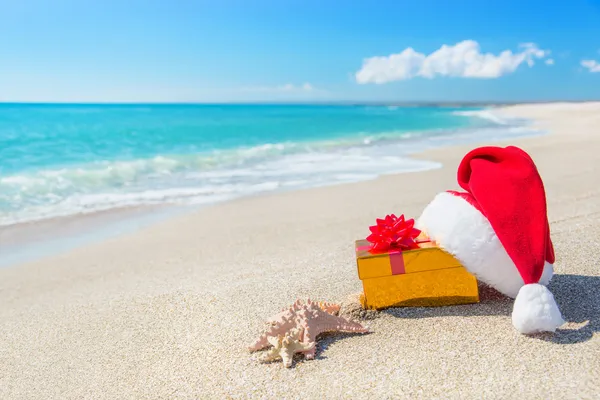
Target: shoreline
column 32, row 240
column 167, row 311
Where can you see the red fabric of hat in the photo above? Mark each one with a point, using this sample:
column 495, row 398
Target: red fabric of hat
column 505, row 186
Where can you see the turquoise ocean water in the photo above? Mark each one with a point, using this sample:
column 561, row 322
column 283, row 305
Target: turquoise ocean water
column 67, row 159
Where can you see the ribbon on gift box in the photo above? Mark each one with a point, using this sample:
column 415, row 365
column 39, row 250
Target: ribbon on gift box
column 393, row 235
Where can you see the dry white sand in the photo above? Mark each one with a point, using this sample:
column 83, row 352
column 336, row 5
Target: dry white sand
column 167, row 312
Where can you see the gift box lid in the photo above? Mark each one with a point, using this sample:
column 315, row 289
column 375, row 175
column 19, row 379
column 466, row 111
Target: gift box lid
column 427, row 258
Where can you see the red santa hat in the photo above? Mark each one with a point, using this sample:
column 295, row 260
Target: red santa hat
column 499, row 231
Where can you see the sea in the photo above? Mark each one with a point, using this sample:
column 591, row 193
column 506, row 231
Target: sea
column 64, row 159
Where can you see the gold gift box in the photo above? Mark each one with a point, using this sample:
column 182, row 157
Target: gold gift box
column 424, row 277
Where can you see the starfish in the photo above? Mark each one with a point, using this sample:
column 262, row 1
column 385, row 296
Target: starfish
column 285, row 346
column 311, row 319
column 286, row 320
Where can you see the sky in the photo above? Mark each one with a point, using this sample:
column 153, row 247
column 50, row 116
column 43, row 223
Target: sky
column 298, row 50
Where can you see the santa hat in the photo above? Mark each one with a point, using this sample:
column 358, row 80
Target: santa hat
column 498, row 229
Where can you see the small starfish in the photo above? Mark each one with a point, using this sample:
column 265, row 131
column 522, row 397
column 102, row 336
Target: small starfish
column 311, row 319
column 285, row 346
column 286, row 320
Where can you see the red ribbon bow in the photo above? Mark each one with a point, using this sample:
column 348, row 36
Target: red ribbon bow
column 393, row 233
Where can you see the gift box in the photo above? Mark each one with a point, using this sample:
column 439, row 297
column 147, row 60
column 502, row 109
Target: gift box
column 400, row 267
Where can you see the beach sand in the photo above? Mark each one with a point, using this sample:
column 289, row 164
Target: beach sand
column 168, row 311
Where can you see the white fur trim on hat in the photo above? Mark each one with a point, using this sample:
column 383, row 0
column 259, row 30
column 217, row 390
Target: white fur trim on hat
column 535, row 310
column 461, row 230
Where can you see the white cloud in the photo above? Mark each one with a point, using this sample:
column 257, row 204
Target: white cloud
column 549, row 61
column 591, row 65
column 463, row 60
column 287, row 88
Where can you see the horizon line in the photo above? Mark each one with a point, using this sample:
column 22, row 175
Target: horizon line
column 340, row 102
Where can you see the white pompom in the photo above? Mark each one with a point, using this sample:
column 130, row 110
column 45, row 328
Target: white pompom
column 535, row 310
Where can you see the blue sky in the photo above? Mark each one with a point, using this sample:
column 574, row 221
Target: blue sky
column 300, row 50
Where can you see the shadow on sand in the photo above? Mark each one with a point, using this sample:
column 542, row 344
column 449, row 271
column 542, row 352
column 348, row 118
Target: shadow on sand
column 577, row 296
